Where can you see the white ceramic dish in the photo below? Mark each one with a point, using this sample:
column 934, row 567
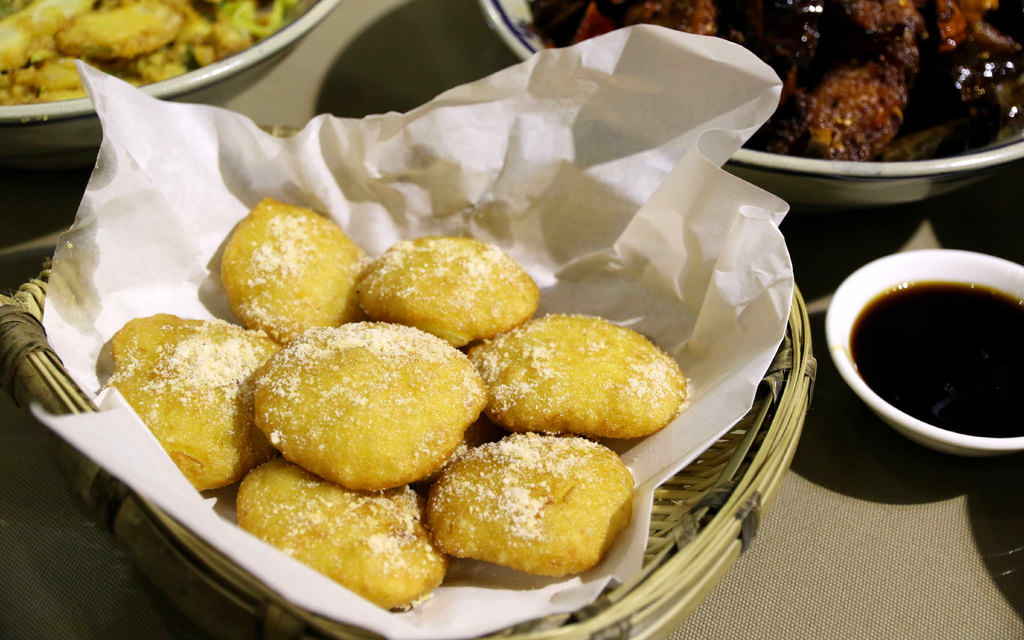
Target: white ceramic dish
column 884, row 274
column 66, row 134
column 808, row 184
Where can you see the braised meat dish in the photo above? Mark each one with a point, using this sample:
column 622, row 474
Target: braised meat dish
column 862, row 79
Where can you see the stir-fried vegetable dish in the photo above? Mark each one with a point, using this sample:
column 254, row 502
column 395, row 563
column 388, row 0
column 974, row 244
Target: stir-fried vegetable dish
column 140, row 41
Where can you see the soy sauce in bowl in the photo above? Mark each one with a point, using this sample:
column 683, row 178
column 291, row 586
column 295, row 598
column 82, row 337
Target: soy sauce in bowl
column 949, row 354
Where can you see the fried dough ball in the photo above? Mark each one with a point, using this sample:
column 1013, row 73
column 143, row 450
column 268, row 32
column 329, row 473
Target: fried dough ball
column 286, row 269
column 544, row 504
column 368, row 405
column 579, row 374
column 374, row 544
column 459, row 289
column 189, row 381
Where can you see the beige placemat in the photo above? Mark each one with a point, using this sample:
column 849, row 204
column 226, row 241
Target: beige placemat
column 826, row 565
column 873, row 536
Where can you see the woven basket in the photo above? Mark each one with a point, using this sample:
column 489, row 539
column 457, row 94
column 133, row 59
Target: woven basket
column 702, row 518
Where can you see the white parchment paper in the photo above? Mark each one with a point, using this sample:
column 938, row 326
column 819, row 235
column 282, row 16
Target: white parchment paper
column 596, row 166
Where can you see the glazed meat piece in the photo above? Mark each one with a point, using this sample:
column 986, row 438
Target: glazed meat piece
column 984, row 71
column 967, row 92
column 977, row 9
column 791, row 38
column 856, row 111
column 854, row 88
column 856, row 96
column 878, row 16
column 783, row 33
column 594, row 23
column 692, row 16
column 551, row 14
column 950, row 24
column 862, row 79
column 556, row 20
column 853, row 113
column 868, row 29
column 984, row 59
column 742, row 21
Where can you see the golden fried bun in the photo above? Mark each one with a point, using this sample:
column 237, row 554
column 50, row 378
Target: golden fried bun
column 459, row 289
column 189, row 382
column 579, row 374
column 545, row 504
column 287, row 268
column 374, row 544
column 368, row 405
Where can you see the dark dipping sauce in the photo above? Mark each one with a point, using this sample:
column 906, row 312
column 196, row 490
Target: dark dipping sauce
column 949, row 354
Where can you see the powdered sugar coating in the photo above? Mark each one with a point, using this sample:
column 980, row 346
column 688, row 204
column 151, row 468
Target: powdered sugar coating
column 190, row 383
column 459, row 289
column 368, row 405
column 372, row 543
column 579, row 374
column 544, row 504
column 287, row 268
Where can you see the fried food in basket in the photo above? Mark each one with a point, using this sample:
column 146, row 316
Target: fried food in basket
column 286, row 269
column 579, row 374
column 545, row 504
column 459, row 289
column 368, row 405
column 374, row 544
column 189, row 381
